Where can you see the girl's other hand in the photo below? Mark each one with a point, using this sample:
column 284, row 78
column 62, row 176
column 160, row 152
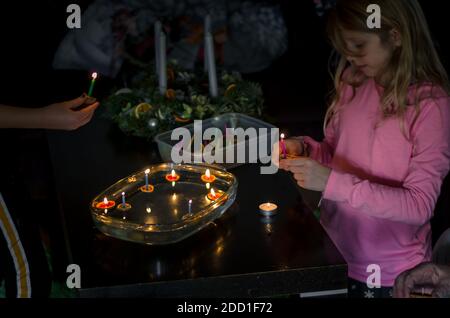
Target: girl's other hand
column 308, row 173
column 63, row 116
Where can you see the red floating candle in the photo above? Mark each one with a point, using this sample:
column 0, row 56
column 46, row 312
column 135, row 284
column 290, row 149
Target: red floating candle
column 172, row 177
column 106, row 204
column 208, row 177
column 213, row 195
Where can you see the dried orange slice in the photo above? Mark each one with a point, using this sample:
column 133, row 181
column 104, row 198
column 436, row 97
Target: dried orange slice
column 142, row 109
column 171, row 94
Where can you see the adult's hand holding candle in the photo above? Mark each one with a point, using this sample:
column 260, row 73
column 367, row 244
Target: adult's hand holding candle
column 56, row 116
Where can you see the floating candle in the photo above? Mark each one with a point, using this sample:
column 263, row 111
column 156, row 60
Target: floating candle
column 148, row 187
column 124, row 205
column 213, row 195
column 283, row 146
column 106, row 204
column 208, row 177
column 268, row 209
column 91, row 88
column 172, row 177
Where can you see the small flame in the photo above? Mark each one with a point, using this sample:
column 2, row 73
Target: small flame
column 94, row 75
column 282, row 136
column 213, row 193
column 105, row 200
column 123, row 194
column 147, row 171
column 208, row 173
column 173, row 173
column 190, row 201
column 149, row 210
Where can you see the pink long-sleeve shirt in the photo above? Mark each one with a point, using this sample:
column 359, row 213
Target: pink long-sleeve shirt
column 383, row 187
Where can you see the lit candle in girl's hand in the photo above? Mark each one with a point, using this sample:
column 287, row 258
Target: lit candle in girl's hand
column 207, row 177
column 283, row 146
column 190, row 206
column 91, row 88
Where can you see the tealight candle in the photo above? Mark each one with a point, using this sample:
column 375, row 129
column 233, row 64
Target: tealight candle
column 106, row 204
column 91, row 88
column 208, row 177
column 148, row 187
column 213, row 195
column 283, row 146
column 268, row 209
column 172, row 177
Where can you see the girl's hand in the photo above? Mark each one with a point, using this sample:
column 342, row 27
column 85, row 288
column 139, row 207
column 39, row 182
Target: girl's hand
column 63, row 116
column 294, row 147
column 426, row 278
column 308, row 173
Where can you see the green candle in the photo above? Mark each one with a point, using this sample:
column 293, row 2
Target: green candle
column 91, row 88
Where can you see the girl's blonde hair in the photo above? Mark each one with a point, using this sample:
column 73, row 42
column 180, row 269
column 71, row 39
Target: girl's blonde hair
column 415, row 62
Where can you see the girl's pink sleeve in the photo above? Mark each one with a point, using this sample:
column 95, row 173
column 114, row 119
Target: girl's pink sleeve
column 412, row 203
column 323, row 151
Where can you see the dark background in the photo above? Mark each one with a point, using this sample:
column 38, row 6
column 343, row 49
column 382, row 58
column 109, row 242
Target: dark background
column 295, row 86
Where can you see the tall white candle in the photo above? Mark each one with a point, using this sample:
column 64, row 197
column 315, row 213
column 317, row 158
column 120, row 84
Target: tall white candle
column 212, row 75
column 162, row 64
column 207, row 29
column 158, row 28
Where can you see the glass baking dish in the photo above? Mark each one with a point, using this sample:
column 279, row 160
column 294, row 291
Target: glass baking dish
column 173, row 211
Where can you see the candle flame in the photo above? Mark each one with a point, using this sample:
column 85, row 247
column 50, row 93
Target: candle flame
column 149, row 210
column 147, row 171
column 190, row 201
column 105, row 200
column 94, row 75
column 173, row 173
column 213, row 193
column 123, row 193
column 282, row 136
column 208, row 173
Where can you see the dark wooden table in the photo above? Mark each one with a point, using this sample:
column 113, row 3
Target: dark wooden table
column 239, row 255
